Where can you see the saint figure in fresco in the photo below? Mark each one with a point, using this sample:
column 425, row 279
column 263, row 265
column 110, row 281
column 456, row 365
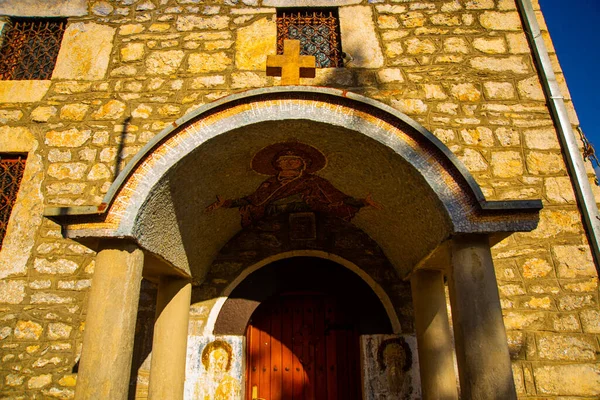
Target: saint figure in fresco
column 219, row 385
column 394, row 359
column 292, row 186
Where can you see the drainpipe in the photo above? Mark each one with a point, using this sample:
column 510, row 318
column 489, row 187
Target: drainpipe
column 572, row 155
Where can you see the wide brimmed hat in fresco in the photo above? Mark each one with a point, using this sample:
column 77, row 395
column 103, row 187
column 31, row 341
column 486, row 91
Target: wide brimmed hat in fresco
column 263, row 161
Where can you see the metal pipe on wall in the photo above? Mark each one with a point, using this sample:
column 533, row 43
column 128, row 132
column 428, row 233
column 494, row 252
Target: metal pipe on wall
column 573, row 159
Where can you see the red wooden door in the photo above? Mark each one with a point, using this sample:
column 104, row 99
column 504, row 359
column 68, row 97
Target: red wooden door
column 302, row 347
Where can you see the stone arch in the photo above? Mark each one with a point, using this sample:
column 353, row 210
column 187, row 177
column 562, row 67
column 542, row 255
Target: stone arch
column 224, row 311
column 435, row 195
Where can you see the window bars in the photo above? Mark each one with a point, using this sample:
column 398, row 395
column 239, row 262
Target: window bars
column 11, row 174
column 317, row 31
column 30, row 48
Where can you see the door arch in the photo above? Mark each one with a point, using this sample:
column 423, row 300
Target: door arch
column 302, row 341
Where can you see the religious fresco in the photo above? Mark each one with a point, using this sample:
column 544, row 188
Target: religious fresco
column 391, row 367
column 292, row 187
column 214, row 368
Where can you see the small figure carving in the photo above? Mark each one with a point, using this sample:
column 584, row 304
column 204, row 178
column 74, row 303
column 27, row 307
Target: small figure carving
column 394, row 359
column 219, row 385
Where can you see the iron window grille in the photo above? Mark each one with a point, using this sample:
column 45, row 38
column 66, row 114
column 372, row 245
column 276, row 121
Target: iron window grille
column 11, row 174
column 30, row 48
column 318, row 32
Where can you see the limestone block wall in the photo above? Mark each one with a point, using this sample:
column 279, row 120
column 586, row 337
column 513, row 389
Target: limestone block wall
column 461, row 68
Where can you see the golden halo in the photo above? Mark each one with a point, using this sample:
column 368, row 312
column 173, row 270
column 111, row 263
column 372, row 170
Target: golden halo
column 264, row 160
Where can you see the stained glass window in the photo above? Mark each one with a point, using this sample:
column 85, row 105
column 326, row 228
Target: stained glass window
column 30, row 48
column 11, row 173
column 318, row 32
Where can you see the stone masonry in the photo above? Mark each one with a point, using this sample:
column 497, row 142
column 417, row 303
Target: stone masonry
column 461, row 68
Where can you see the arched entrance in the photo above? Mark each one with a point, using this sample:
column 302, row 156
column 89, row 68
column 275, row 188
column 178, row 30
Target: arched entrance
column 432, row 217
column 302, row 342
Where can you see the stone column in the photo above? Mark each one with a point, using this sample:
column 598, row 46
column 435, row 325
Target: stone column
column 105, row 363
column 484, row 364
column 169, row 346
column 438, row 379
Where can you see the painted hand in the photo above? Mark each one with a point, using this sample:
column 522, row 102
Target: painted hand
column 216, row 205
column 372, row 203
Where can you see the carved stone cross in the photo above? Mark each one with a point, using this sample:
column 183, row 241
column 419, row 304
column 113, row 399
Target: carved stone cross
column 291, row 66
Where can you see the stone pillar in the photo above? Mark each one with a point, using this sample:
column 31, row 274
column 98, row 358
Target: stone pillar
column 438, row 379
column 105, row 363
column 484, row 364
column 169, row 346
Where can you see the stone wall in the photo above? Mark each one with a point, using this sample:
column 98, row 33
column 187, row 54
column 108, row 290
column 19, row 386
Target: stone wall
column 463, row 69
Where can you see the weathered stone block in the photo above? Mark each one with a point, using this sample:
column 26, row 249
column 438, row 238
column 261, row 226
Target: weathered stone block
column 74, row 112
column 574, row 261
column 570, row 380
column 164, row 62
column 557, row 222
column 133, row 52
column 566, row 347
column 51, row 8
column 85, row 52
column 40, row 381
column 507, row 164
column 23, row 91
column 243, row 80
column 81, row 284
column 531, row 88
column 514, row 64
column 208, row 81
column 58, row 330
column 466, row 92
column 200, row 63
column 473, row 160
column 534, row 268
column 10, row 116
column 102, row 8
column 112, row 110
column 445, row 20
column 359, row 38
column 419, row 46
column 541, row 139
column 390, row 75
column 499, row 90
column 12, row 292
column 387, row 22
column 456, row 45
column 50, row 298
column 565, row 323
column 590, row 320
column 544, row 163
column 393, row 49
column 508, row 137
column 254, row 43
column 60, row 266
column 191, row 22
column 67, row 170
column 576, row 302
column 410, row 106
column 480, row 136
column 28, row 330
column 14, row 380
column 131, row 29
column 501, row 21
column 70, row 138
column 490, row 46
column 525, row 320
